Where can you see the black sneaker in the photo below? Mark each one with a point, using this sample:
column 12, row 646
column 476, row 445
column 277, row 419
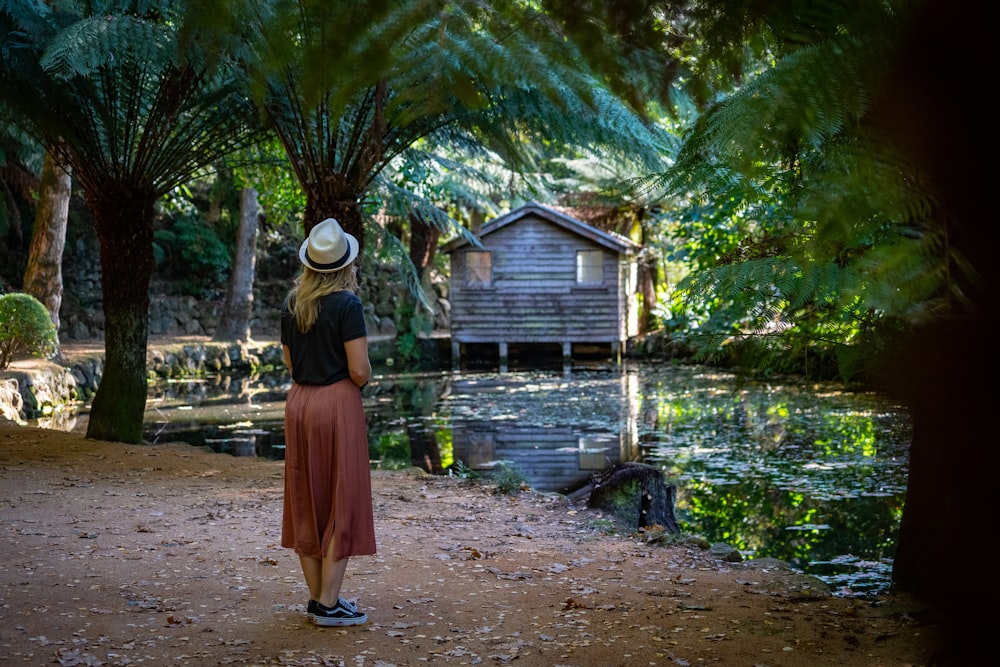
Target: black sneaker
column 343, row 613
column 311, row 607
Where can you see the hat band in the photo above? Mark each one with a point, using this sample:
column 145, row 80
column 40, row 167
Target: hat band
column 332, row 265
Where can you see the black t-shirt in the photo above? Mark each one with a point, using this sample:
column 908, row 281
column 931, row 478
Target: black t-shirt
column 318, row 356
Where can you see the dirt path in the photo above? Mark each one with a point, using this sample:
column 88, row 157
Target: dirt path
column 168, row 555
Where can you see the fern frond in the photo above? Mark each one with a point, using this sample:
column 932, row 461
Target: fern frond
column 391, row 249
column 95, row 43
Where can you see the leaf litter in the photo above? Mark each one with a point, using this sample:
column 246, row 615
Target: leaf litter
column 181, row 564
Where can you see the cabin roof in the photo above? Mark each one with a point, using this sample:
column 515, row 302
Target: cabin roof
column 610, row 240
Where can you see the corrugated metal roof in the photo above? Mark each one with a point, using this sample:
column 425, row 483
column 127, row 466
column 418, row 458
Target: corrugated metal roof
column 610, row 240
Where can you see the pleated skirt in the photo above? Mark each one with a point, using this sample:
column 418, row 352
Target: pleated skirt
column 328, row 493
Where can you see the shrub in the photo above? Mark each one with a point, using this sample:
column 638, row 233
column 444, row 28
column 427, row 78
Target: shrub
column 508, row 478
column 25, row 328
column 191, row 254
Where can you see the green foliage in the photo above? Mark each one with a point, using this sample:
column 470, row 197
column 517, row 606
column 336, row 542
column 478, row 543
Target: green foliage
column 462, row 471
column 407, row 349
column 191, row 255
column 507, row 478
column 412, row 325
column 809, row 243
column 264, row 167
column 391, row 451
column 152, row 114
column 419, row 91
column 25, row 328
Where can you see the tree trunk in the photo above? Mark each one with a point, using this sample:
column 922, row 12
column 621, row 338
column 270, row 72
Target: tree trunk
column 423, row 245
column 238, row 309
column 124, row 227
column 425, row 453
column 345, row 208
column 949, row 372
column 646, row 277
column 338, row 194
column 637, row 495
column 43, row 275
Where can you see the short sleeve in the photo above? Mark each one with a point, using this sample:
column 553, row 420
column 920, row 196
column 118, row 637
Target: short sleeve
column 353, row 322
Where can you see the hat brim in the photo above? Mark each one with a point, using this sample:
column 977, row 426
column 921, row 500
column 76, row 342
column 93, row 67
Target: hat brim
column 352, row 254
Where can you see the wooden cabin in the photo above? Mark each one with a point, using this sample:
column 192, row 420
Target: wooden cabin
column 542, row 280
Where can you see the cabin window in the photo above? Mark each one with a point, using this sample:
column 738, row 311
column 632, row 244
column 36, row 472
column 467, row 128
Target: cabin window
column 589, row 267
column 594, row 452
column 478, row 268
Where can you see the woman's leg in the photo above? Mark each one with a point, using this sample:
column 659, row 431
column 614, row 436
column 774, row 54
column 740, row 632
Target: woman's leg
column 332, row 578
column 312, row 568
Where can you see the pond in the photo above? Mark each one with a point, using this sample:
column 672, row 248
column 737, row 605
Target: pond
column 811, row 474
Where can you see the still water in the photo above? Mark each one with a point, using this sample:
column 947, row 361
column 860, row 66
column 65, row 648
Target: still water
column 814, row 475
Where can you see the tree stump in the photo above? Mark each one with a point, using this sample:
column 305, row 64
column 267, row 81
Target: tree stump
column 637, row 495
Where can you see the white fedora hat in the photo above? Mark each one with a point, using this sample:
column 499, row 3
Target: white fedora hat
column 328, row 247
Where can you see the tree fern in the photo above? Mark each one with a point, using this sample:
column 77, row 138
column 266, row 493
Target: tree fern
column 110, row 88
column 492, row 82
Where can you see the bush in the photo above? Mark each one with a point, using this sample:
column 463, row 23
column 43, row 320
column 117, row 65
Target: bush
column 191, row 255
column 25, row 328
column 508, row 478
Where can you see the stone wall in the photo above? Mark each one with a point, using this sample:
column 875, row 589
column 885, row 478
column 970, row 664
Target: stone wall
column 81, row 317
column 41, row 390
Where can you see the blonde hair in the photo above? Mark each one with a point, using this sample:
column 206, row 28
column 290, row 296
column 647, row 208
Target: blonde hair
column 310, row 286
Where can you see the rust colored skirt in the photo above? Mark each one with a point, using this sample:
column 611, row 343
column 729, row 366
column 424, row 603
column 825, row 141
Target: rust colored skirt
column 328, row 490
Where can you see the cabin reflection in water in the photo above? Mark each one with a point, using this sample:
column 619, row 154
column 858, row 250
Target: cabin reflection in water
column 556, row 431
column 549, row 459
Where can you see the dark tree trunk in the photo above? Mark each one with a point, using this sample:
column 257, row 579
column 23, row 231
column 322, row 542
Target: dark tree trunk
column 235, row 322
column 646, row 277
column 949, row 372
column 637, row 494
column 423, row 245
column 345, row 208
column 125, row 234
column 43, row 275
column 424, row 450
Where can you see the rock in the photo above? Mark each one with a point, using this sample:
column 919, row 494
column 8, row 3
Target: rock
column 11, row 402
column 726, row 552
column 42, row 389
column 45, row 388
column 783, row 581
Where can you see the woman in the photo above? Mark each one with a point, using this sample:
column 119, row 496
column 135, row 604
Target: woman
column 328, row 513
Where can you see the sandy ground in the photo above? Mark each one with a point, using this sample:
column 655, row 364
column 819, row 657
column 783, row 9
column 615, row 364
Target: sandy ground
column 119, row 554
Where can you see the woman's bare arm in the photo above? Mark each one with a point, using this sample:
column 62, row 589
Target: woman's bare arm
column 357, row 360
